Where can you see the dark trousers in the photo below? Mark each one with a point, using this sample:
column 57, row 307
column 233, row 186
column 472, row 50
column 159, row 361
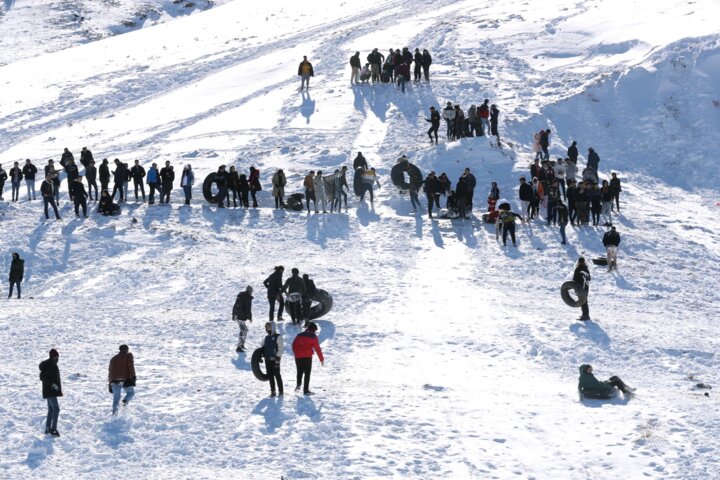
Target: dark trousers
column 142, row 189
column 165, row 194
column 370, row 191
column 310, row 195
column 151, row 196
column 295, row 309
column 616, row 197
column 304, row 367
column 414, row 200
column 273, row 371
column 50, row 201
column 278, row 202
column 433, row 129
column 272, row 301
column 15, row 191
column 450, row 128
column 11, row 288
column 561, row 184
column 104, row 184
column 92, row 185
column 572, row 213
column 118, row 188
column 252, row 194
column 223, row 196
column 509, row 227
column 2, row 186
column 80, row 202
column 585, row 309
column 53, row 413
column 430, row 200
column 595, row 216
column 550, row 211
column 417, row 73
column 616, row 382
column 306, row 304
column 426, row 71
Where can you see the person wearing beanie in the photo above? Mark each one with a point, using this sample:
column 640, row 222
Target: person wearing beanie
column 581, row 277
column 121, row 375
column 273, row 347
column 51, row 390
column 303, row 346
column 242, row 312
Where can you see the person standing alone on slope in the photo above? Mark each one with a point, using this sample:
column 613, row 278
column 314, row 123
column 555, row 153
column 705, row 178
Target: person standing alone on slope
column 581, row 277
column 17, row 270
column 305, row 71
column 121, row 375
column 242, row 312
column 51, row 390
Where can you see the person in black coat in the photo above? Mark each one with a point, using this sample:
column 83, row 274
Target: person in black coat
column 355, row 67
column 51, row 390
column 3, row 178
column 310, row 291
column 526, row 197
column 221, row 180
column 615, row 189
column 572, row 152
column 571, row 199
column 119, row 177
column 233, row 183
column 16, row 176
column 360, row 162
column 106, row 206
column 17, row 270
column 494, row 116
column 72, row 172
column 91, row 176
column 581, row 277
column 29, row 171
column 137, row 173
column 47, row 190
column 471, row 183
column 86, row 157
column 611, row 241
column 167, row 177
column 242, row 312
column 274, row 285
column 593, row 160
column 104, row 174
column 430, row 187
column 418, row 59
column 434, row 121
column 79, row 195
column 545, row 143
column 426, row 62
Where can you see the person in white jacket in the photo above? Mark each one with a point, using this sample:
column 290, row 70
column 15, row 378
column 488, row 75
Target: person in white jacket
column 320, row 190
column 559, row 169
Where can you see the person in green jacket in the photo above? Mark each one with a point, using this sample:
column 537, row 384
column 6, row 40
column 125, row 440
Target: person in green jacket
column 591, row 387
column 295, row 289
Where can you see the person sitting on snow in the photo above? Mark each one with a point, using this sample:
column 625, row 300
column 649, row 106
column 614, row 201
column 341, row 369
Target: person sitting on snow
column 591, row 387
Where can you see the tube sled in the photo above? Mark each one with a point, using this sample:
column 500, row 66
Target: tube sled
column 295, row 202
column 569, row 300
column 397, row 175
column 255, row 363
column 358, row 185
column 210, row 197
column 600, row 261
column 593, row 395
column 322, row 303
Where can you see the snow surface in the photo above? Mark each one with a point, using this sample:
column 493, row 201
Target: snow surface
column 447, row 355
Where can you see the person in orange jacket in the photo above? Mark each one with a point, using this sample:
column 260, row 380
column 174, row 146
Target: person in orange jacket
column 305, row 71
column 303, row 347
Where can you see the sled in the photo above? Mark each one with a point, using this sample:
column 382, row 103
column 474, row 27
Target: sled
column 579, row 293
column 600, row 261
column 255, row 364
column 321, row 304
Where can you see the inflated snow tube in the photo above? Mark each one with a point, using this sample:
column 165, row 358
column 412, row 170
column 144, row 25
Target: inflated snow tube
column 415, row 176
column 321, row 304
column 358, row 186
column 397, row 175
column 210, row 197
column 597, row 395
column 295, row 202
column 579, row 292
column 600, row 261
column 255, row 363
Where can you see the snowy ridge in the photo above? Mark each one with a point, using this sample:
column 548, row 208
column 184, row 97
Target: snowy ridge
column 447, row 356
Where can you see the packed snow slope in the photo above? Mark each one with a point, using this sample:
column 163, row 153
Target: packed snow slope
column 447, row 355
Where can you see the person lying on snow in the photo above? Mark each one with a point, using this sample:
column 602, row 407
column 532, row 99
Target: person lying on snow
column 591, row 387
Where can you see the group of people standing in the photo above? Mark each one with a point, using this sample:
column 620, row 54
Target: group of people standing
column 393, row 67
column 479, row 121
column 299, row 292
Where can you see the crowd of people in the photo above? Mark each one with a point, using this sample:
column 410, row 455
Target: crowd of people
column 394, row 67
column 479, row 121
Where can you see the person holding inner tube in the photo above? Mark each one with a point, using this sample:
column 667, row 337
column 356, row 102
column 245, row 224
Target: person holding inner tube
column 581, row 277
column 272, row 352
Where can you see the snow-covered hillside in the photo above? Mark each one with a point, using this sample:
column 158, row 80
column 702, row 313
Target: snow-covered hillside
column 447, row 355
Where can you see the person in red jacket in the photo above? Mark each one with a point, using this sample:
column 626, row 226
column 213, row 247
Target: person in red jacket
column 303, row 347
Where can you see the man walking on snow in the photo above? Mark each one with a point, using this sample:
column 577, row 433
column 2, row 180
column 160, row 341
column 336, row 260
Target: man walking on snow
column 121, row 375
column 51, row 390
column 242, row 312
column 305, row 71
